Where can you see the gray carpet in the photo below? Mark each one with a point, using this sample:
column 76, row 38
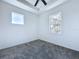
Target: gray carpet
column 38, row 49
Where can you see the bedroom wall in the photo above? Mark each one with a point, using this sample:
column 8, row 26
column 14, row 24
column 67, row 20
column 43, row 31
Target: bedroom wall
column 11, row 35
column 70, row 26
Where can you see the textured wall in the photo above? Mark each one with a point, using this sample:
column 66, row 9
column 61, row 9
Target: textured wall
column 38, row 49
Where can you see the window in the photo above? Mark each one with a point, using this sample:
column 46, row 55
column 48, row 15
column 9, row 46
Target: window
column 55, row 22
column 17, row 18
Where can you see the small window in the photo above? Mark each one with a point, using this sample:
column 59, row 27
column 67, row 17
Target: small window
column 17, row 18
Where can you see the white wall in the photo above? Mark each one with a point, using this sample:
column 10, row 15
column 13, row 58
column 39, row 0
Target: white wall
column 70, row 27
column 11, row 35
column 37, row 26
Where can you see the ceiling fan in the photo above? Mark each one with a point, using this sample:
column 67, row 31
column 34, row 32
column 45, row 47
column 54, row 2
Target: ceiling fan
column 44, row 2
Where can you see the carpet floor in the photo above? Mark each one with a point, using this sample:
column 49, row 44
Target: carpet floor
column 38, row 49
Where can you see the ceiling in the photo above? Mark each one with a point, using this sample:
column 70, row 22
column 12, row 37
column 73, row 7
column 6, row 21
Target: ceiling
column 40, row 4
column 29, row 5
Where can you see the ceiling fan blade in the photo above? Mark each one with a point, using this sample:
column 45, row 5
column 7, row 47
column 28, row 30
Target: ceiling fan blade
column 36, row 3
column 44, row 2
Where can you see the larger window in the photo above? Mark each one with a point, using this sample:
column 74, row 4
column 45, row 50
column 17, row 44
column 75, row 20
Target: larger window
column 55, row 22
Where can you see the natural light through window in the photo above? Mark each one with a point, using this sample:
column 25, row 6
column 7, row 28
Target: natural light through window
column 17, row 18
column 55, row 22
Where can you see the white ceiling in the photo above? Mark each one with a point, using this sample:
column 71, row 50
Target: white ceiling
column 33, row 1
column 29, row 5
column 40, row 4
